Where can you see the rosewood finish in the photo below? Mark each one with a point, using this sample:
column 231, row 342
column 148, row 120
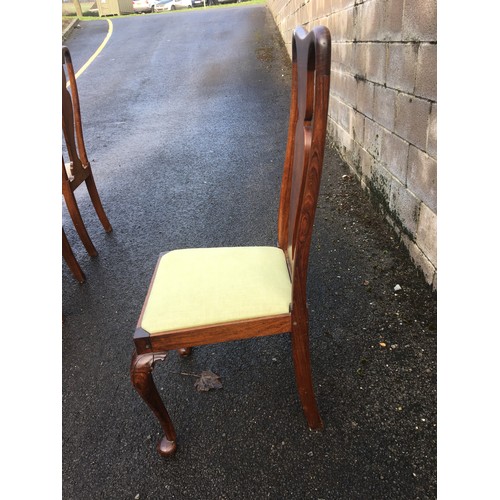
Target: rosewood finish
column 299, row 194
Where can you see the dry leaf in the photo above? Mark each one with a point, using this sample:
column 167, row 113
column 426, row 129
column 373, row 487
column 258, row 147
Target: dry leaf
column 208, row 380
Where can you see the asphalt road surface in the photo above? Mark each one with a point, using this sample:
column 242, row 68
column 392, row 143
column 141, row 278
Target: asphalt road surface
column 185, row 119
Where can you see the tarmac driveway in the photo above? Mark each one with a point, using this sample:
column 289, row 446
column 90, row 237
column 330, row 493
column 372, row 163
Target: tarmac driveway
column 185, row 118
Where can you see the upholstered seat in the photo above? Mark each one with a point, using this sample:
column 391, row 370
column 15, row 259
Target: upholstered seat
column 69, row 171
column 207, row 286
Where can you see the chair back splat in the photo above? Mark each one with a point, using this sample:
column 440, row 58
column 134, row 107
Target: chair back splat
column 72, row 123
column 304, row 153
column 208, row 295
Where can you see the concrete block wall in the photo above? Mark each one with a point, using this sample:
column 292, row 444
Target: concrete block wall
column 383, row 105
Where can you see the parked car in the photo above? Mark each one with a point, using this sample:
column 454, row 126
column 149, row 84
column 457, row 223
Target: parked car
column 141, row 6
column 202, row 3
column 163, row 5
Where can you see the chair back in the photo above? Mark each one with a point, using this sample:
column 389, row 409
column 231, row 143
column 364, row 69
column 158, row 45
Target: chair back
column 72, row 125
column 311, row 58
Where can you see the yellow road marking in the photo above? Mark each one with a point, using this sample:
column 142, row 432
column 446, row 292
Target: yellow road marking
column 97, row 52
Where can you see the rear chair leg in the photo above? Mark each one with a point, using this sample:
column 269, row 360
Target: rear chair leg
column 141, row 369
column 96, row 201
column 70, row 259
column 76, row 217
column 303, row 377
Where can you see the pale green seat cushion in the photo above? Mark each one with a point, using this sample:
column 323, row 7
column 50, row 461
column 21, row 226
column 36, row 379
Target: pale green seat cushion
column 206, row 286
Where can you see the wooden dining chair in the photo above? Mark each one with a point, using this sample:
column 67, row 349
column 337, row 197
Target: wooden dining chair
column 204, row 296
column 77, row 170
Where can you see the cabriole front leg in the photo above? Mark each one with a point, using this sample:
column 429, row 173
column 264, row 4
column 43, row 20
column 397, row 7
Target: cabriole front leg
column 141, row 369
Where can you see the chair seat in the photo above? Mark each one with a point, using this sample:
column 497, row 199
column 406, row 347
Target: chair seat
column 206, row 286
column 69, row 172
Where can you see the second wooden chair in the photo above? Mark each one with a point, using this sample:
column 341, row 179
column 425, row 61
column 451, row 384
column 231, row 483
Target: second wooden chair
column 77, row 170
